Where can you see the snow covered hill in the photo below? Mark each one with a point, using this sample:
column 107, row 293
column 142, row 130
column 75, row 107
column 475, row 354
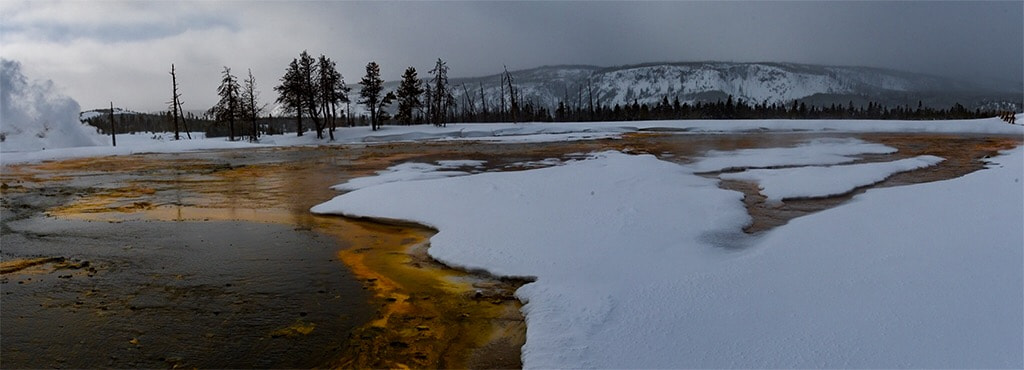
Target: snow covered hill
column 779, row 83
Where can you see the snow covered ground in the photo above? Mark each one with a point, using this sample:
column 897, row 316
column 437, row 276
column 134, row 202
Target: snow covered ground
column 641, row 263
column 13, row 151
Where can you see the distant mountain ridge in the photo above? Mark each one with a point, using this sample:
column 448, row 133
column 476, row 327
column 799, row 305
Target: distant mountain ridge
column 754, row 83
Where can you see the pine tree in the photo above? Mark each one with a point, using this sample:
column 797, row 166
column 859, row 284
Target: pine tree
column 310, row 87
column 227, row 109
column 331, row 90
column 290, row 92
column 252, row 107
column 409, row 92
column 326, row 74
column 370, row 93
column 443, row 98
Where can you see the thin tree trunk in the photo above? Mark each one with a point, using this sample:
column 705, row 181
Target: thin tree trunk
column 590, row 96
column 113, row 128
column 470, row 101
column 512, row 96
column 184, row 122
column 334, row 119
column 231, row 120
column 174, row 102
column 501, row 115
column 483, row 100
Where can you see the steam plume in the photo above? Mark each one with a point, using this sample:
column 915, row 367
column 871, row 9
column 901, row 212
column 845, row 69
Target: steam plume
column 34, row 115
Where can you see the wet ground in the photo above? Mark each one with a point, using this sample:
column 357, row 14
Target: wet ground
column 190, row 294
column 211, row 259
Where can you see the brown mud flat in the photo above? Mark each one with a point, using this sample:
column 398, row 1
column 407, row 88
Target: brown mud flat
column 426, row 314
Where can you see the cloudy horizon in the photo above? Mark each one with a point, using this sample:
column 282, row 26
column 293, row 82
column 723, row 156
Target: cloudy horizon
column 120, row 51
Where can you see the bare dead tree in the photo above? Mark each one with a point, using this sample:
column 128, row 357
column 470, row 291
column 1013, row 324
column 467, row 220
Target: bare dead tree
column 184, row 122
column 444, row 100
column 483, row 101
column 251, row 107
column 579, row 101
column 470, row 103
column 590, row 96
column 113, row 128
column 512, row 96
column 175, row 105
column 501, row 114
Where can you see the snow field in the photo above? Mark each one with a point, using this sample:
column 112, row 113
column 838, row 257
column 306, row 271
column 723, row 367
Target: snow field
column 640, row 263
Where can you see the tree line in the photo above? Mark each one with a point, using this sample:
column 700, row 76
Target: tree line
column 739, row 109
column 317, row 90
column 312, row 90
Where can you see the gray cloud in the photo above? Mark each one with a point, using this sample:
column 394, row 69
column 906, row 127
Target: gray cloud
column 980, row 41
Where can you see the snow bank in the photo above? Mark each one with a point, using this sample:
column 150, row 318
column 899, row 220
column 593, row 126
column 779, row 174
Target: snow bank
column 34, row 115
column 411, row 172
column 817, row 151
column 813, row 182
column 402, row 172
column 640, row 263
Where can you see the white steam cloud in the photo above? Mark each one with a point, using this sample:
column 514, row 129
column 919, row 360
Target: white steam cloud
column 34, row 115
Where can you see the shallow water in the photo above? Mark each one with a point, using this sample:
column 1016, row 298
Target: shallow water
column 199, row 217
column 190, row 294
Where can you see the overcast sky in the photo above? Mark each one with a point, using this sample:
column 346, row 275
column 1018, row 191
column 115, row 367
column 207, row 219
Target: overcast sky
column 121, row 51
